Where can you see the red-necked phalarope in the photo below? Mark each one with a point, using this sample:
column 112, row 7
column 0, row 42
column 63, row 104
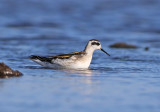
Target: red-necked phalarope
column 75, row 60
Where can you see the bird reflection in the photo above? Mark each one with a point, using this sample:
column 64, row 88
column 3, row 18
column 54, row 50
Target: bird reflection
column 85, row 74
column 84, row 80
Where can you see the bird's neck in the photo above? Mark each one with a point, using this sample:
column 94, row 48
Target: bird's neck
column 89, row 50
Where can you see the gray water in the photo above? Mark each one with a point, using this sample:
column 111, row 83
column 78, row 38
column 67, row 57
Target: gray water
column 128, row 81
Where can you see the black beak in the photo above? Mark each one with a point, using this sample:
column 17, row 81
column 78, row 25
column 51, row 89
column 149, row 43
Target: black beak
column 105, row 52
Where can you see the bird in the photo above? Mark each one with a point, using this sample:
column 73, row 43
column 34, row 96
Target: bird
column 74, row 60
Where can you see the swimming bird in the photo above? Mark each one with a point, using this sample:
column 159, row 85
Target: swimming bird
column 74, row 60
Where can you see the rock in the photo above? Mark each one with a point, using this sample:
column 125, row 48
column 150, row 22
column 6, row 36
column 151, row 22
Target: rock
column 123, row 45
column 6, row 71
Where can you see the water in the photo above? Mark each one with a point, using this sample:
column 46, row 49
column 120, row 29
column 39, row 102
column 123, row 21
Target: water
column 128, row 81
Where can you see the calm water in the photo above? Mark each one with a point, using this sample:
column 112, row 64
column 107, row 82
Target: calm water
column 128, row 81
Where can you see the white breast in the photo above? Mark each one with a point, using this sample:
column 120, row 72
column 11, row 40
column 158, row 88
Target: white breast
column 74, row 62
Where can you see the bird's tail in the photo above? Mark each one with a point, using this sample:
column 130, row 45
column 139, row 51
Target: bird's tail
column 40, row 58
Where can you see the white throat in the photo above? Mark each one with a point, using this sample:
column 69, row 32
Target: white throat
column 89, row 50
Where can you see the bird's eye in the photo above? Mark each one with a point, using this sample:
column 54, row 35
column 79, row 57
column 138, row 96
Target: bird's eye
column 95, row 43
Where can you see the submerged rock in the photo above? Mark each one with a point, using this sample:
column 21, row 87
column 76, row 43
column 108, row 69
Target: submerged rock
column 123, row 45
column 6, row 71
column 146, row 48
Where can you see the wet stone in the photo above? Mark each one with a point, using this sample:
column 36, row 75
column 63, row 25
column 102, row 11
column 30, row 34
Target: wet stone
column 123, row 45
column 6, row 71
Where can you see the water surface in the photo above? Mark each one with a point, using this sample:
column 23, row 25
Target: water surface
column 128, row 81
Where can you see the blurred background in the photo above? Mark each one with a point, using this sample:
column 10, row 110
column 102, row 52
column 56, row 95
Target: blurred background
column 128, row 81
column 110, row 19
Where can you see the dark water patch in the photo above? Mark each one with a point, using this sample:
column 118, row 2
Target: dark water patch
column 147, row 59
column 122, row 69
column 121, row 58
column 131, row 69
column 152, row 40
column 156, row 31
column 32, row 67
column 38, row 25
column 15, row 59
column 103, row 69
column 20, row 25
column 48, row 24
column 39, row 37
column 131, row 59
column 142, row 60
